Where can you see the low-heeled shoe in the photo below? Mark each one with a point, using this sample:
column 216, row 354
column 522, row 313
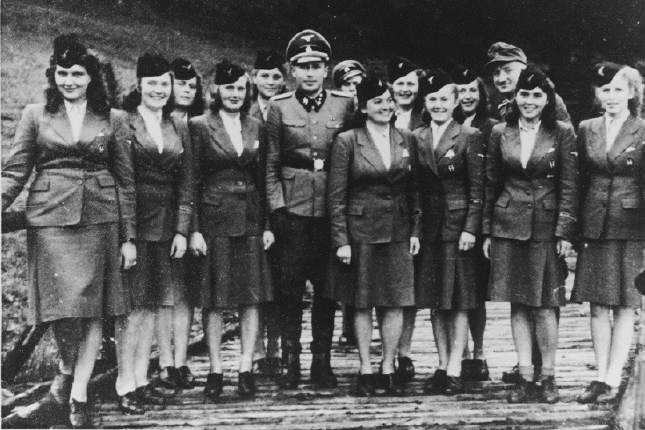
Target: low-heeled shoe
column 185, row 378
column 548, row 392
column 453, row 386
column 595, row 389
column 365, row 385
column 80, row 414
column 436, row 384
column 129, row 404
column 214, row 385
column 246, row 385
column 405, row 370
column 524, row 392
column 148, row 395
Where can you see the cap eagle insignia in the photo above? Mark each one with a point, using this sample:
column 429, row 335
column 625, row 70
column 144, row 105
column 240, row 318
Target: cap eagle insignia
column 307, row 37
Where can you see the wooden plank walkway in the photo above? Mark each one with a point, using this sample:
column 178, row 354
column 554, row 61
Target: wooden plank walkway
column 483, row 407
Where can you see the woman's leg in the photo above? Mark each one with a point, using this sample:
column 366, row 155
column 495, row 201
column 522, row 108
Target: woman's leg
column 183, row 321
column 144, row 346
column 260, row 351
column 391, row 327
column 405, row 343
column 601, row 336
column 249, row 322
column 477, row 323
column 522, row 329
column 621, row 341
column 458, row 339
column 363, row 329
column 69, row 335
column 213, row 324
column 440, row 330
column 88, row 350
column 546, row 330
column 165, row 330
column 127, row 337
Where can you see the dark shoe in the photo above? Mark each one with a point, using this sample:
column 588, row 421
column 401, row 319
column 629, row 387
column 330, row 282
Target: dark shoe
column 290, row 377
column 595, row 389
column 185, row 378
column 129, row 404
column 274, row 364
column 245, row 385
column 389, row 386
column 609, row 396
column 405, row 370
column 453, row 386
column 171, row 378
column 474, row 370
column 436, row 384
column 322, row 373
column 214, row 385
column 548, row 390
column 80, row 414
column 523, row 393
column 512, row 377
column 261, row 367
column 61, row 388
column 148, row 395
column 365, row 386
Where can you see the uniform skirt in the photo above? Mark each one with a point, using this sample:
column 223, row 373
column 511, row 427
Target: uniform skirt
column 528, row 273
column 380, row 274
column 235, row 272
column 605, row 272
column 446, row 278
column 75, row 271
column 156, row 279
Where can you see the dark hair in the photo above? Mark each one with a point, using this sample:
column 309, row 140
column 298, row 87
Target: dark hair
column 418, row 104
column 358, row 119
column 482, row 111
column 199, row 104
column 530, row 78
column 216, row 104
column 98, row 99
column 133, row 100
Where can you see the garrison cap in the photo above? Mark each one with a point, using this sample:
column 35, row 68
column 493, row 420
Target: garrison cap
column 269, row 60
column 435, row 81
column 149, row 65
column 604, row 72
column 501, row 52
column 463, row 76
column 227, row 73
column 308, row 46
column 369, row 88
column 345, row 70
column 68, row 50
column 183, row 69
column 533, row 77
column 399, row 67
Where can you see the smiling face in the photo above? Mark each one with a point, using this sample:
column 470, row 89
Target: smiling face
column 185, row 91
column 531, row 103
column 406, row 89
column 233, row 95
column 310, row 76
column 349, row 86
column 615, row 96
column 469, row 97
column 72, row 82
column 268, row 82
column 155, row 91
column 505, row 76
column 442, row 103
column 379, row 110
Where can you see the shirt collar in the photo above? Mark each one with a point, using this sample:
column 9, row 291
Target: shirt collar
column 617, row 120
column 374, row 132
column 80, row 108
column 262, row 104
column 526, row 129
column 147, row 113
column 226, row 117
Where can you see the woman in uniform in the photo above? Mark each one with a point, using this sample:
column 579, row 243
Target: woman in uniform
column 530, row 217
column 174, row 322
column 374, row 214
column 231, row 227
column 80, row 212
column 451, row 184
column 612, row 187
column 165, row 193
column 473, row 104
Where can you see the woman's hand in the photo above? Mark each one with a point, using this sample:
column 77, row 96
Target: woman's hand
column 178, row 247
column 128, row 255
column 415, row 245
column 487, row 243
column 564, row 248
column 344, row 254
column 267, row 239
column 466, row 241
column 197, row 244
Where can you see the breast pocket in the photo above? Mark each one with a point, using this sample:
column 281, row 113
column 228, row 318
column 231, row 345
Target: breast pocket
column 38, row 193
column 294, row 131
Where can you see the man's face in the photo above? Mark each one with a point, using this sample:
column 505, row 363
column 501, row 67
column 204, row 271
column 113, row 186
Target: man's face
column 505, row 76
column 310, row 76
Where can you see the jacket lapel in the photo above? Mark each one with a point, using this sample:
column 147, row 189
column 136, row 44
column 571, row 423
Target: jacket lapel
column 60, row 124
column 597, row 146
column 93, row 126
column 426, row 151
column 543, row 145
column 396, row 152
column 220, row 137
column 624, row 139
column 512, row 147
column 141, row 134
column 251, row 145
column 447, row 140
column 368, row 150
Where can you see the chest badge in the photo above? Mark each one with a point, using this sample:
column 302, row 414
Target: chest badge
column 552, row 164
column 630, row 161
column 101, row 149
column 450, row 154
column 451, row 168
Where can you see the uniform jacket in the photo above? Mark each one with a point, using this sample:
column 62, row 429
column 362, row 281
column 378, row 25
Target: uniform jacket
column 165, row 183
column 612, row 184
column 230, row 188
column 540, row 202
column 450, row 182
column 76, row 183
column 485, row 125
column 295, row 134
column 256, row 112
column 367, row 202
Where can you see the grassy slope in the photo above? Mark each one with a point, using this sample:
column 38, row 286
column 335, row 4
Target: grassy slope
column 28, row 28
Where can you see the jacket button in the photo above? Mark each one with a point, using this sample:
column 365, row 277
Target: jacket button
column 530, row 206
column 314, row 122
column 528, row 193
column 79, row 182
column 315, row 137
column 240, row 183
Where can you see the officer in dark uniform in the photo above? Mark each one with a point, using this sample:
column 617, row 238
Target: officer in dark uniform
column 301, row 126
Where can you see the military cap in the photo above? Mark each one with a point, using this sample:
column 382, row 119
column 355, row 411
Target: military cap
column 345, row 70
column 308, row 46
column 183, row 69
column 533, row 77
column 399, row 67
column 501, row 52
column 227, row 73
column 369, row 88
column 269, row 60
column 68, row 50
column 463, row 76
column 603, row 73
column 435, row 81
column 152, row 65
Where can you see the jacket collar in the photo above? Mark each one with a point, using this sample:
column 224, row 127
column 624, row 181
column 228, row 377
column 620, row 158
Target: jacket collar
column 221, row 138
column 425, row 149
column 624, row 138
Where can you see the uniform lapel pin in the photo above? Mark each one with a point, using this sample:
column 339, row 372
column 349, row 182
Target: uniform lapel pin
column 450, row 153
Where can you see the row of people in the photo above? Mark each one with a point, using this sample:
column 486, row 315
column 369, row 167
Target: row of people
column 374, row 217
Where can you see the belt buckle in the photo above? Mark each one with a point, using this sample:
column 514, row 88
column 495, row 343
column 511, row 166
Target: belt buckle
column 319, row 164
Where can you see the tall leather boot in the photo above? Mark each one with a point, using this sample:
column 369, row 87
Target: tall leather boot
column 321, row 371
column 290, row 377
